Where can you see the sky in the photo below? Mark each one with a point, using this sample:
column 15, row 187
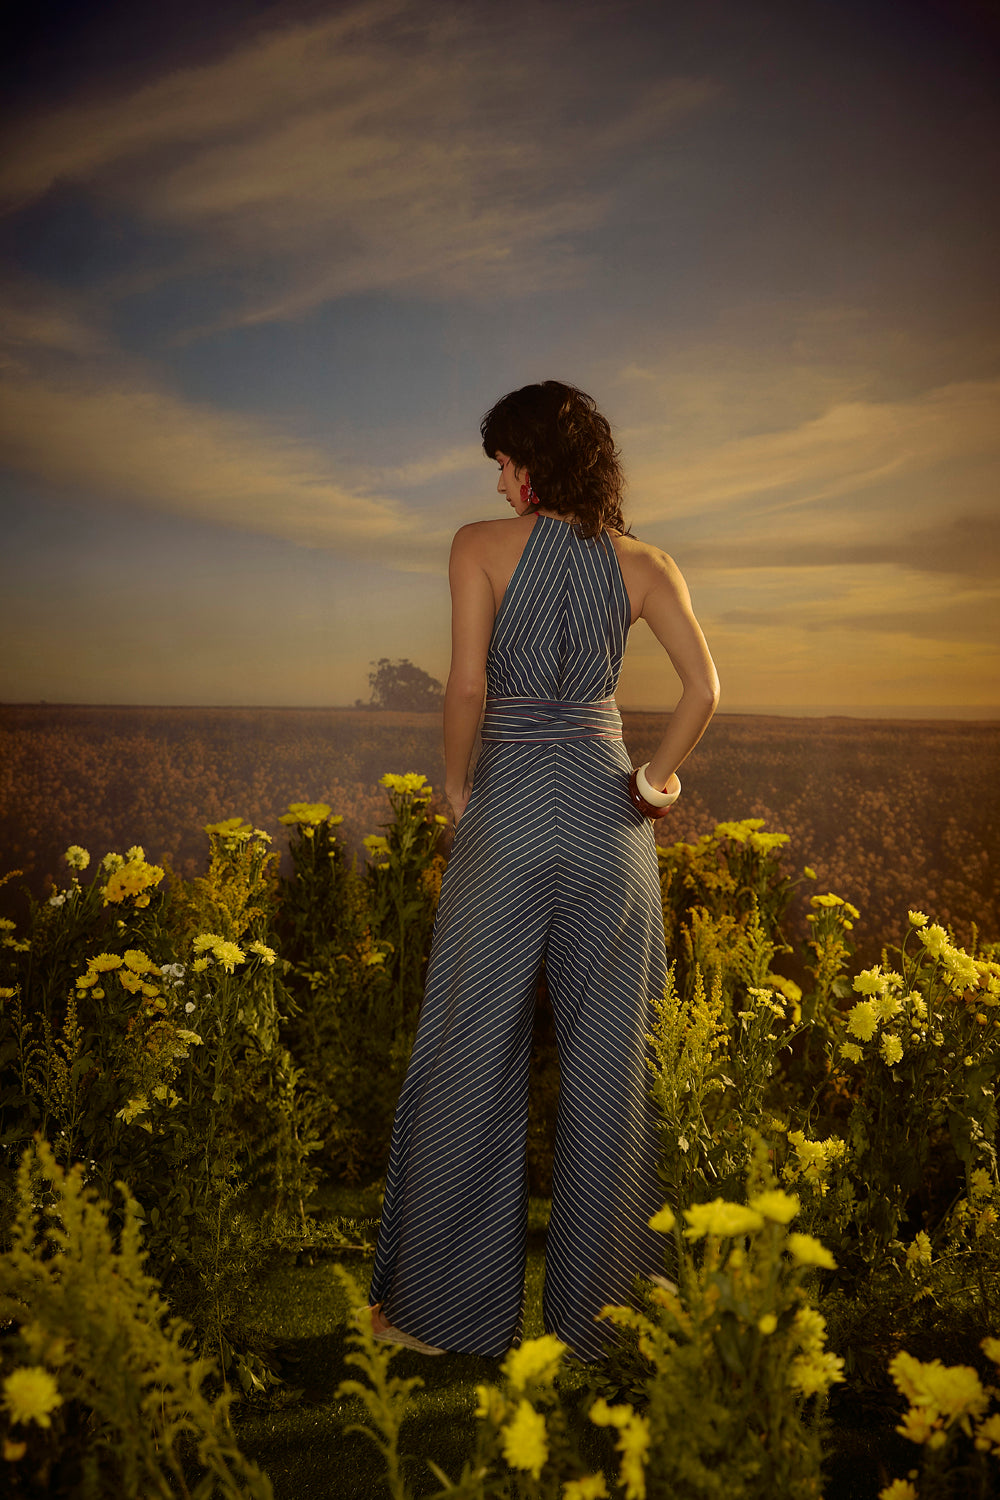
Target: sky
column 263, row 266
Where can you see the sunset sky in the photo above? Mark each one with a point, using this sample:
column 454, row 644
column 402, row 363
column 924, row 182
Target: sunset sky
column 264, row 266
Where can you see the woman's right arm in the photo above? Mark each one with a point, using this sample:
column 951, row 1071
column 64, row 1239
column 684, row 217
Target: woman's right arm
column 472, row 614
column 666, row 608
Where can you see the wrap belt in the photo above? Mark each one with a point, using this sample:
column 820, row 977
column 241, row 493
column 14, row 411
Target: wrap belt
column 539, row 720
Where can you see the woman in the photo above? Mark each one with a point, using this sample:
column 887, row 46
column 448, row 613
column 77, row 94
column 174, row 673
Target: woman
column 553, row 860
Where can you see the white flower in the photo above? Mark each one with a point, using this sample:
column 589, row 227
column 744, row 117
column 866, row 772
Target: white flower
column 57, row 900
column 189, row 1007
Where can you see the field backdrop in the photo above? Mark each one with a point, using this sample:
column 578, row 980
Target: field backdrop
column 890, row 814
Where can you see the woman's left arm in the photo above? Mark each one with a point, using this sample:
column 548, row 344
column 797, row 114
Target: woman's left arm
column 472, row 614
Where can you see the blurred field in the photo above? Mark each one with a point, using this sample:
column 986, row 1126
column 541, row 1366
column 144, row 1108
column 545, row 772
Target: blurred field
column 889, row 813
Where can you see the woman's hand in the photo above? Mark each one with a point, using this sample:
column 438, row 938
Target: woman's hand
column 459, row 800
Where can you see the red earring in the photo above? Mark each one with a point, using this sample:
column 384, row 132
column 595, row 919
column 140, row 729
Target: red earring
column 528, row 496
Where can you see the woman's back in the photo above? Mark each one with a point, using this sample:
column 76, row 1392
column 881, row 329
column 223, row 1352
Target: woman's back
column 560, row 632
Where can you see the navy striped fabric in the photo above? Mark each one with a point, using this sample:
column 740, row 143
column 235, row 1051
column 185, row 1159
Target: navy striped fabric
column 551, row 863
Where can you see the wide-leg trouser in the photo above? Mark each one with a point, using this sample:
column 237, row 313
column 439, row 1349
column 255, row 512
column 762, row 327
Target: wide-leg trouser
column 550, row 863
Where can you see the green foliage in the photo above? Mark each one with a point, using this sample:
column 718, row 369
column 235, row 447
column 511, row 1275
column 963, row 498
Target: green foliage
column 117, row 1406
column 737, row 1368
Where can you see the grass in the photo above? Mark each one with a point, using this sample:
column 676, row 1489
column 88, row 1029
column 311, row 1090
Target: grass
column 300, row 1311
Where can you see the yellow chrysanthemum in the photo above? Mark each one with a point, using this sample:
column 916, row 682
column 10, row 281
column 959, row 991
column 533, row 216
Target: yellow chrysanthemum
column 133, row 1109
column 851, row 1051
column 899, row 1489
column 590, row 1487
column 810, row 1252
column 862, row 1021
column 76, row 857
column 138, row 962
column 525, row 1442
column 951, row 1392
column 920, row 1252
column 664, row 1221
column 229, row 828
column 200, row 965
column 934, row 939
column 869, row 981
column 31, row 1394
column 721, row 1218
column 103, row 963
column 777, row 1206
column 767, row 1324
column 988, row 1435
column 491, row 1404
column 812, row 1374
column 411, row 783
column 917, row 919
column 307, row 814
column 991, row 1348
column 263, row 951
column 891, row 1048
column 536, row 1360
column 134, row 878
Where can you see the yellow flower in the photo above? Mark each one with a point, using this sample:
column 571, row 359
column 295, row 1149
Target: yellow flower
column 862, row 1021
column 916, row 919
column 266, row 953
column 721, row 1218
column 664, row 1221
column 134, row 878
column 227, row 954
column 870, row 981
column 988, row 1434
column 200, row 965
column 809, row 1252
column 491, row 1404
column 952, row 1392
column 809, row 872
column 991, row 1348
column 899, row 1489
column 590, row 1487
column 536, row 1360
column 77, row 858
column 376, row 843
column 811, row 1374
column 31, row 1394
column 919, row 1253
column 138, row 962
column 891, row 1048
column 307, row 813
column 135, row 1107
column 228, row 828
column 934, row 939
column 780, row 1207
column 851, row 1051
column 191, row 1037
column 105, row 962
column 524, row 1440
column 768, row 1323
column 633, row 1444
column 6, row 993
column 412, row 783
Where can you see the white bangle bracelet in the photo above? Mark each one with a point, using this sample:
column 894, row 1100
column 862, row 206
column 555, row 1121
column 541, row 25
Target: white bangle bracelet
column 650, row 793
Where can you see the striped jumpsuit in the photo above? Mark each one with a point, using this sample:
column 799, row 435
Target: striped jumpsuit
column 550, row 863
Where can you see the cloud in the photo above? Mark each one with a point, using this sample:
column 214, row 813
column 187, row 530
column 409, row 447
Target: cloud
column 847, row 450
column 390, row 145
column 76, row 414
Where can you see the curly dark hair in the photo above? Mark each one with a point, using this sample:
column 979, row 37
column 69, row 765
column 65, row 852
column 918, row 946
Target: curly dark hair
column 557, row 434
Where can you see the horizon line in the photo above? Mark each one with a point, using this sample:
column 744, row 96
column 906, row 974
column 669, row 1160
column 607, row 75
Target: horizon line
column 986, row 713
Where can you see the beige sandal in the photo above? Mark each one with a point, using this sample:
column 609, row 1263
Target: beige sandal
column 392, row 1335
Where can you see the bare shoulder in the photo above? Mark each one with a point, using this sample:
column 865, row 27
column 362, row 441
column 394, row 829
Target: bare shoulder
column 651, row 575
column 484, row 536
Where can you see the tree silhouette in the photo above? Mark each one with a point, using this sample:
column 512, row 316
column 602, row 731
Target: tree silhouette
column 401, row 685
